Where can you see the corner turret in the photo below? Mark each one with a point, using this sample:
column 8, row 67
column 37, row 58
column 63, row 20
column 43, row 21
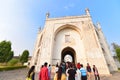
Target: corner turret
column 98, row 26
column 87, row 11
column 47, row 15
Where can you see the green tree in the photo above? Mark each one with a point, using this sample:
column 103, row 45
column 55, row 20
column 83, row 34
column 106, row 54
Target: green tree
column 13, row 62
column 24, row 56
column 9, row 56
column 115, row 46
column 5, row 51
column 118, row 53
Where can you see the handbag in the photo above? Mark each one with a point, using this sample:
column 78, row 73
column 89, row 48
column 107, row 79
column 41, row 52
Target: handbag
column 28, row 78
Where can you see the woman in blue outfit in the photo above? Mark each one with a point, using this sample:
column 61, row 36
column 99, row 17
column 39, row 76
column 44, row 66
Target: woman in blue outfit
column 83, row 73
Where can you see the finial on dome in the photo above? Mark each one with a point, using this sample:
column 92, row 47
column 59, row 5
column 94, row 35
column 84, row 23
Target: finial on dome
column 39, row 29
column 47, row 15
column 87, row 11
column 98, row 25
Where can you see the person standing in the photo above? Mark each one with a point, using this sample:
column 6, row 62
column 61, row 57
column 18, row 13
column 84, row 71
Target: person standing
column 49, row 71
column 67, row 68
column 96, row 74
column 49, row 68
column 31, row 73
column 43, row 75
column 71, row 72
column 59, row 75
column 89, row 71
column 83, row 73
column 63, row 65
column 78, row 76
column 56, row 68
column 78, row 65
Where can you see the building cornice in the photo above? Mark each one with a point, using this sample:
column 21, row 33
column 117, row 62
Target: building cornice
column 67, row 17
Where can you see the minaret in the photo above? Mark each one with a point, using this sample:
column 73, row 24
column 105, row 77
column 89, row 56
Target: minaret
column 107, row 53
column 87, row 11
column 47, row 15
column 98, row 26
column 39, row 29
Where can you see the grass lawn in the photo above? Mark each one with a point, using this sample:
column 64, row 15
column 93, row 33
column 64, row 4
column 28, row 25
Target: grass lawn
column 5, row 68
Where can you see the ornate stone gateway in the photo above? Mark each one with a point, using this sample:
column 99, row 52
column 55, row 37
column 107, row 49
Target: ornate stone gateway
column 75, row 39
column 68, row 55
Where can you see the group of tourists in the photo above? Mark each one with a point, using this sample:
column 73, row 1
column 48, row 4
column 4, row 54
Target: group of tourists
column 65, row 71
column 44, row 74
column 70, row 71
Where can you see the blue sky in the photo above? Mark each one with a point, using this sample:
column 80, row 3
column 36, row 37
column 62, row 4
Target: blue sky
column 20, row 19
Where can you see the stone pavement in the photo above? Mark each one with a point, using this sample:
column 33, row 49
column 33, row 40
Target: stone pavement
column 20, row 74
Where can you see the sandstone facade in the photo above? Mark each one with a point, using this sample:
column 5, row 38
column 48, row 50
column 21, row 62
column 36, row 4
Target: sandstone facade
column 73, row 38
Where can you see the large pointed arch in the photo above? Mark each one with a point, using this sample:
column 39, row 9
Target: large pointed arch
column 68, row 51
column 65, row 36
column 67, row 26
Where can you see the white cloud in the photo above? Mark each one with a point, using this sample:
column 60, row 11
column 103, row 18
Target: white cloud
column 71, row 5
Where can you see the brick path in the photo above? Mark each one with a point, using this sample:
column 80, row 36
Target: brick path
column 20, row 74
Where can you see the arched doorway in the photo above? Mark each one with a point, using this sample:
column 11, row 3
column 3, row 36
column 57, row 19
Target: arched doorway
column 68, row 54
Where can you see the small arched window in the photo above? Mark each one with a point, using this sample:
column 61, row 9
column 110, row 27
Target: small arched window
column 67, row 38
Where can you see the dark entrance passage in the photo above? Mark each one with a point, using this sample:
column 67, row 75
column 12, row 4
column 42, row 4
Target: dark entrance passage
column 68, row 54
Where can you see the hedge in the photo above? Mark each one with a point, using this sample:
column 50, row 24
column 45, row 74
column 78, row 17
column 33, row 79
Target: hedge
column 118, row 68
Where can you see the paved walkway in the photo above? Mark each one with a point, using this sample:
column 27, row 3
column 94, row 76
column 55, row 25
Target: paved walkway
column 20, row 74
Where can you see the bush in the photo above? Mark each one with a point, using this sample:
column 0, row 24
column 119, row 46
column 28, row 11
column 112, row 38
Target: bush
column 5, row 68
column 13, row 62
column 118, row 68
column 3, row 64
